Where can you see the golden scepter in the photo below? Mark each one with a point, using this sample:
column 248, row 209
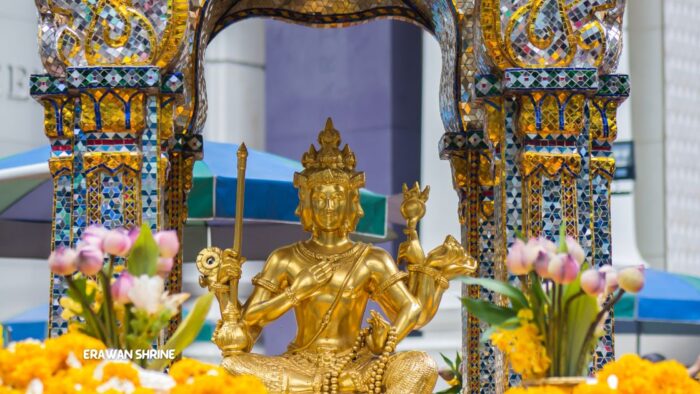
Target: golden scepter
column 221, row 272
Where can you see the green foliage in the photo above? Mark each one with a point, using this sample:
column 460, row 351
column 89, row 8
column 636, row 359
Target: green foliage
column 143, row 258
column 488, row 312
column 187, row 330
column 454, row 370
column 509, row 324
column 562, row 239
column 517, row 298
column 581, row 311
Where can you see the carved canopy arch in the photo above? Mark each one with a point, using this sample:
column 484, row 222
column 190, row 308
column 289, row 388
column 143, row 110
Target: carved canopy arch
column 438, row 17
column 174, row 34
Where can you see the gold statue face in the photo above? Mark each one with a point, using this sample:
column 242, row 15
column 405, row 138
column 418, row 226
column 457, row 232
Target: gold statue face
column 329, row 186
column 328, row 206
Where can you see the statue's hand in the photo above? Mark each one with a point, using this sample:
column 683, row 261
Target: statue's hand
column 311, row 279
column 231, row 266
column 451, row 259
column 411, row 251
column 379, row 332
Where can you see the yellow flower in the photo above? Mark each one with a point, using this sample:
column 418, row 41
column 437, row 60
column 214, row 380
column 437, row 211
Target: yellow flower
column 70, row 307
column 188, row 368
column 72, row 380
column 525, row 314
column 92, row 287
column 196, row 377
column 74, row 327
column 524, row 348
column 636, row 375
column 536, row 390
column 598, row 388
column 123, row 371
column 59, row 348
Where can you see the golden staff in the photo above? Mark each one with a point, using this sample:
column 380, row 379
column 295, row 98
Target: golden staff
column 221, row 271
column 242, row 156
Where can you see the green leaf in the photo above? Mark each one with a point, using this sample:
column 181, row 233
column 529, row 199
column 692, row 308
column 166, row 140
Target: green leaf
column 509, row 324
column 447, row 361
column 539, row 300
column 517, row 298
column 187, row 330
column 143, row 258
column 582, row 311
column 488, row 312
column 562, row 238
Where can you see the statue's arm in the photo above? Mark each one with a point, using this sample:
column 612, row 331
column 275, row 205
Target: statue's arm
column 390, row 291
column 429, row 276
column 428, row 291
column 269, row 300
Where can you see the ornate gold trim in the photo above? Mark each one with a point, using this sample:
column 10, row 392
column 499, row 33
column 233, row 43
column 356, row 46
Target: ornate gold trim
column 58, row 165
column 551, row 164
column 112, row 160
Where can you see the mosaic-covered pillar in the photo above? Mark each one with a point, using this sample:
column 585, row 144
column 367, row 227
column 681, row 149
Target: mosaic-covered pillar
column 113, row 102
column 108, row 152
column 186, row 149
column 613, row 90
column 538, row 113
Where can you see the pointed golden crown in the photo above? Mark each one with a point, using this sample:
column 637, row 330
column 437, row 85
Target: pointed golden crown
column 329, row 164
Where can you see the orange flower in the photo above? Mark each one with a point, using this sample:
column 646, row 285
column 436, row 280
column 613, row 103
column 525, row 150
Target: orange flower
column 188, row 368
column 123, row 371
column 636, row 375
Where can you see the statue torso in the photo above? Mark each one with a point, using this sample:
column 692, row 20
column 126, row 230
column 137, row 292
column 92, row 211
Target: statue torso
column 346, row 293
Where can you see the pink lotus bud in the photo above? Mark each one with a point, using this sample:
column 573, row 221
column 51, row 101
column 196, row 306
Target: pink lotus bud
column 62, row 261
column 164, row 265
column 593, row 282
column 548, row 245
column 542, row 264
column 94, row 235
column 563, row 268
column 134, row 234
column 631, row 279
column 167, row 243
column 117, row 243
column 90, row 259
column 611, row 283
column 532, row 250
column 120, row 287
column 575, row 250
column 516, row 259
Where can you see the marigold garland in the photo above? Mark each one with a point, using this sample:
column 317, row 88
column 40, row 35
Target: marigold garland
column 59, row 365
column 630, row 374
column 196, row 377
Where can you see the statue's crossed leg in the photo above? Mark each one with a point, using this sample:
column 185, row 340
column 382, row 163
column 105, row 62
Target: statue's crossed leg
column 406, row 372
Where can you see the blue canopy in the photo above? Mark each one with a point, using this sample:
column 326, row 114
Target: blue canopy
column 270, row 193
column 666, row 297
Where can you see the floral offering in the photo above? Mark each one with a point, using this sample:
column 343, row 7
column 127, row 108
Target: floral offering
column 555, row 313
column 630, row 374
column 57, row 366
column 125, row 308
